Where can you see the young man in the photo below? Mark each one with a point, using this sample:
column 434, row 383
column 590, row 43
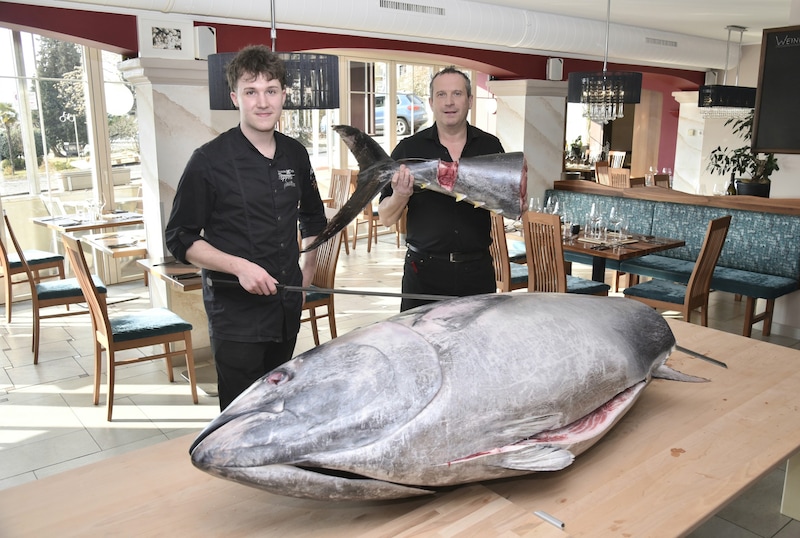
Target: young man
column 236, row 211
column 448, row 241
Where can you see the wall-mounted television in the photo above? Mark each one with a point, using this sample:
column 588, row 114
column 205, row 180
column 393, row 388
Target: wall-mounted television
column 776, row 126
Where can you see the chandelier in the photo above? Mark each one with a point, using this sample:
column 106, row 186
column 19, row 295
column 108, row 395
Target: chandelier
column 721, row 101
column 312, row 80
column 604, row 94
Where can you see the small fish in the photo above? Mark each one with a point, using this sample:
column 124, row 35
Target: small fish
column 458, row 391
column 496, row 182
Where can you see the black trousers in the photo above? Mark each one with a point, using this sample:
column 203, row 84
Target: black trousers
column 435, row 276
column 240, row 364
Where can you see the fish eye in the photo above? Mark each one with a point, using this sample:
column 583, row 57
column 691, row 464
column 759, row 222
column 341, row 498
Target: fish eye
column 277, row 377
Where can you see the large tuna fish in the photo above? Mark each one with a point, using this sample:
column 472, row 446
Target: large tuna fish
column 458, row 391
column 495, row 182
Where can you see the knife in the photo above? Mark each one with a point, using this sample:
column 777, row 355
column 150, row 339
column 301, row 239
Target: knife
column 697, row 355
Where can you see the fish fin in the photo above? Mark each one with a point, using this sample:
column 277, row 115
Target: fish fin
column 479, row 204
column 665, row 372
column 363, row 147
column 538, row 458
column 460, row 197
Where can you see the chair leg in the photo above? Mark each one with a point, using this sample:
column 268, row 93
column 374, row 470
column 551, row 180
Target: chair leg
column 9, row 298
column 187, row 339
column 168, row 360
column 110, row 379
column 332, row 319
column 312, row 316
column 98, row 361
column 36, row 332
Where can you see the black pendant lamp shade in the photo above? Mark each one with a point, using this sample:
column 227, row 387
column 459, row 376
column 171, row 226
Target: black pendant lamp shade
column 719, row 95
column 312, row 81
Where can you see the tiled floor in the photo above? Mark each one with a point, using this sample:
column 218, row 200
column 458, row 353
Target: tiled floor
column 48, row 423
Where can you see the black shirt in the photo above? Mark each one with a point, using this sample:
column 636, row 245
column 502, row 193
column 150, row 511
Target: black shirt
column 249, row 206
column 437, row 223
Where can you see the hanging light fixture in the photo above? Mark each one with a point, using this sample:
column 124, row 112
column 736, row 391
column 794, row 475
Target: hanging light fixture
column 721, row 101
column 312, row 80
column 604, row 94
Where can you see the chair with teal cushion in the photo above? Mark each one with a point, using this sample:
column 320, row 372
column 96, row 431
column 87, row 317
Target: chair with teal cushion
column 324, row 277
column 11, row 265
column 61, row 292
column 509, row 276
column 545, row 255
column 152, row 327
column 687, row 297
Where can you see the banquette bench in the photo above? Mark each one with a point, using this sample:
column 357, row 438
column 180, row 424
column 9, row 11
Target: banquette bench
column 761, row 256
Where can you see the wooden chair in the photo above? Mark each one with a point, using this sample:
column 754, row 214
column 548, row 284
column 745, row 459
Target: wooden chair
column 341, row 187
column 616, row 158
column 601, row 172
column 687, row 298
column 369, row 217
column 152, row 327
column 61, row 292
column 324, row 277
column 545, row 256
column 509, row 276
column 637, row 181
column 37, row 260
column 661, row 180
column 619, row 177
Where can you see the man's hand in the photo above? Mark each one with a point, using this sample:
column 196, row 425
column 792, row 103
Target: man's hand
column 403, row 182
column 255, row 279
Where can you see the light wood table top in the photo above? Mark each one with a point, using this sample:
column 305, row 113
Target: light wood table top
column 69, row 224
column 179, row 276
column 118, row 244
column 683, row 452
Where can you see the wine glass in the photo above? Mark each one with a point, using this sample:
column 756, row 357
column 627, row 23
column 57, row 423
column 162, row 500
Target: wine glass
column 668, row 172
column 535, row 204
column 551, row 206
column 614, row 221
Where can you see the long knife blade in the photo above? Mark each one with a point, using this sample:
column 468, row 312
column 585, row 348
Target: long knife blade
column 697, row 355
column 224, row 282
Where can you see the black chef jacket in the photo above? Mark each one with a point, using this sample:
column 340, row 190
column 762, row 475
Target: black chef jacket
column 249, row 206
column 437, row 223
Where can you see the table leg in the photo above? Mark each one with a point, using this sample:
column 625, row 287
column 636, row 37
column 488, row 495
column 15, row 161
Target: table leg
column 598, row 269
column 790, row 504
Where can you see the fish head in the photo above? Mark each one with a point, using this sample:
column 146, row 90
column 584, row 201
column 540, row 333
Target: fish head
column 331, row 399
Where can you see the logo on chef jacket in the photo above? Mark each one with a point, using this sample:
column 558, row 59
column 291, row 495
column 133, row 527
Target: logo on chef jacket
column 287, row 177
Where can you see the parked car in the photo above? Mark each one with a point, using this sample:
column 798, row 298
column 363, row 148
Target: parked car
column 410, row 111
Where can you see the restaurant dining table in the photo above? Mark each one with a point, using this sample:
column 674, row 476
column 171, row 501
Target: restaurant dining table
column 118, row 244
column 178, row 276
column 72, row 223
column 633, row 246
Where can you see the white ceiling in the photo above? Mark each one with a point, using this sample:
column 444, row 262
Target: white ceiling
column 703, row 18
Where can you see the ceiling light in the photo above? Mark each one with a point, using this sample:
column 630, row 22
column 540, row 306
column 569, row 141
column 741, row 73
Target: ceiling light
column 604, row 94
column 721, row 101
column 312, row 80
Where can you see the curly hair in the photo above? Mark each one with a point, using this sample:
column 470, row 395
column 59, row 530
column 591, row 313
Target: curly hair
column 255, row 60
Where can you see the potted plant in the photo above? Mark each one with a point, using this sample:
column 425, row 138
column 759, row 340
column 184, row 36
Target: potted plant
column 742, row 160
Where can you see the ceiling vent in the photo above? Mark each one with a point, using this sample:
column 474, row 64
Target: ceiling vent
column 413, row 8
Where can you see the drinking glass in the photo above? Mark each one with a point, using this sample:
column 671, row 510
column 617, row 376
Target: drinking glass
column 650, row 176
column 614, row 220
column 551, row 206
column 566, row 227
column 535, row 204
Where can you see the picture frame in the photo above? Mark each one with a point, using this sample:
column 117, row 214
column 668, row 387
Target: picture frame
column 165, row 39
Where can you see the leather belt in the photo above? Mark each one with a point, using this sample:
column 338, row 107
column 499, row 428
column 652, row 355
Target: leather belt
column 452, row 257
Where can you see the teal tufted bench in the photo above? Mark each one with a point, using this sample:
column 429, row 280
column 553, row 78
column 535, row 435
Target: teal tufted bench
column 760, row 259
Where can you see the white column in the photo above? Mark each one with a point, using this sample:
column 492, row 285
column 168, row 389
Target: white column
column 531, row 117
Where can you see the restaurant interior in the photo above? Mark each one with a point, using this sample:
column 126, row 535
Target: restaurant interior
column 124, row 181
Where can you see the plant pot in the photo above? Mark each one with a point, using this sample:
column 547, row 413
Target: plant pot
column 752, row 189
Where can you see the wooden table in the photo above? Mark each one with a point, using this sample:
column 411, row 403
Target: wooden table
column 681, row 454
column 178, row 276
column 68, row 224
column 642, row 247
column 118, row 244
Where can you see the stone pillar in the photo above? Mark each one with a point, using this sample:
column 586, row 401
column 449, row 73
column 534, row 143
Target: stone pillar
column 689, row 146
column 531, row 117
column 174, row 119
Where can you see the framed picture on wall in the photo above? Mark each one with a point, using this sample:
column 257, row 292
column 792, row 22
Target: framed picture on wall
column 165, row 39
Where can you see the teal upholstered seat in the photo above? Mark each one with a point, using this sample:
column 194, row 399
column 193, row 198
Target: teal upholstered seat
column 146, row 324
column 63, row 288
column 34, row 258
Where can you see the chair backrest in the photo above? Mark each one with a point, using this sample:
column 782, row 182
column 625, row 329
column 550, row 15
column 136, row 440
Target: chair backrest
column 697, row 289
column 327, row 258
column 341, row 186
column 4, row 256
column 601, row 172
column 97, row 305
column 619, row 177
column 637, row 181
column 545, row 255
column 616, row 158
column 499, row 250
column 661, row 180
